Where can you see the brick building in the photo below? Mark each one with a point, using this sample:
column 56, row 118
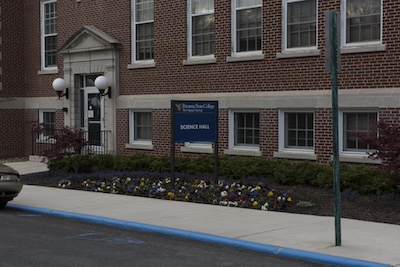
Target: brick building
column 263, row 61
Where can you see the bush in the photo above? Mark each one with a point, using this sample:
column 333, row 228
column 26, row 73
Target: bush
column 359, row 178
column 363, row 179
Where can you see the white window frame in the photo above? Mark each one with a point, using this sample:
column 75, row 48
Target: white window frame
column 353, row 156
column 253, row 150
column 135, row 62
column 354, row 47
column 137, row 144
column 42, row 136
column 234, row 52
column 285, row 10
column 291, row 152
column 43, row 36
column 190, row 17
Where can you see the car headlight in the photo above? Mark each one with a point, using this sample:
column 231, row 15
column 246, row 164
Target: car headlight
column 8, row 177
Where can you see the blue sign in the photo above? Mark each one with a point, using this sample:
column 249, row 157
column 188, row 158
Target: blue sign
column 195, row 121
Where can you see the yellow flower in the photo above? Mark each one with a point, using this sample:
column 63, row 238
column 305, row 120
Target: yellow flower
column 103, row 185
column 141, row 184
column 171, row 195
column 186, row 197
column 257, row 188
column 255, row 203
column 289, row 199
column 270, row 194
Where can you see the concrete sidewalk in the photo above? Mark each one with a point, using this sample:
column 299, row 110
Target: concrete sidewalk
column 305, row 237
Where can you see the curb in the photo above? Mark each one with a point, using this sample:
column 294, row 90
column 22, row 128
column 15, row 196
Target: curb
column 302, row 255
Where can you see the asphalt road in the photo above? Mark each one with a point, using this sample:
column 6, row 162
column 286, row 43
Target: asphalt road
column 29, row 239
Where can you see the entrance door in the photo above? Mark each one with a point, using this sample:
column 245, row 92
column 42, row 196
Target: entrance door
column 93, row 117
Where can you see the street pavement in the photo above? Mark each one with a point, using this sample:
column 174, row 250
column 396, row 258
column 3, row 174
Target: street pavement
column 304, row 237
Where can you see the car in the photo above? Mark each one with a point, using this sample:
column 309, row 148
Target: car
column 10, row 184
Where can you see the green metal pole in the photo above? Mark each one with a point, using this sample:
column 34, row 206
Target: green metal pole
column 216, row 155
column 335, row 124
column 172, row 140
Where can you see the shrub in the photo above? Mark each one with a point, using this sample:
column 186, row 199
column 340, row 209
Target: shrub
column 69, row 142
column 363, row 179
column 387, row 145
column 358, row 178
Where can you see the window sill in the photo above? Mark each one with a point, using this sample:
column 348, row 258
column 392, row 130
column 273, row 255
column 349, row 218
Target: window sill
column 192, row 149
column 299, row 53
column 140, row 146
column 295, row 155
column 357, row 158
column 50, row 71
column 245, row 57
column 199, row 61
column 142, row 65
column 243, row 152
column 363, row 49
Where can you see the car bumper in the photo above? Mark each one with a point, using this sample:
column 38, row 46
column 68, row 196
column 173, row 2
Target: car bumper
column 9, row 189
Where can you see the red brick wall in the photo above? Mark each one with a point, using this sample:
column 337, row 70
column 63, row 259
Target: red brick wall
column 12, row 62
column 359, row 70
column 367, row 70
column 11, row 133
column 323, row 134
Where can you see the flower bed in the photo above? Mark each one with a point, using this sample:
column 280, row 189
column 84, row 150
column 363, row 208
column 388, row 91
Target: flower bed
column 256, row 195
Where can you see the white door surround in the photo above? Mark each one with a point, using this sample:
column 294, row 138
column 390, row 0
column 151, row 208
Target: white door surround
column 91, row 51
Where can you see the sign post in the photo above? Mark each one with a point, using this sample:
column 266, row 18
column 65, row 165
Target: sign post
column 194, row 121
column 332, row 46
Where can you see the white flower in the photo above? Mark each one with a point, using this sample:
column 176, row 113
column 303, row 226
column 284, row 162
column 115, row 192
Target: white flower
column 279, row 198
column 265, row 206
column 232, row 204
column 224, row 194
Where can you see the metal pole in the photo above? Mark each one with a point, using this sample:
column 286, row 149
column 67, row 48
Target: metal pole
column 216, row 147
column 335, row 124
column 172, row 140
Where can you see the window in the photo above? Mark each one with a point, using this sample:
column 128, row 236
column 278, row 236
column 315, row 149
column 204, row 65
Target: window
column 300, row 24
column 247, row 29
column 246, row 129
column 141, row 127
column 299, row 130
column 49, row 34
column 201, row 27
column 363, row 21
column 357, row 122
column 143, row 30
column 47, row 120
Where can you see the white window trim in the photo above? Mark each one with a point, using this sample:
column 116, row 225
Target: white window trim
column 193, row 60
column 134, row 144
column 43, row 138
column 239, row 150
column 137, row 64
column 44, row 69
column 359, row 47
column 292, row 153
column 297, row 50
column 247, row 55
column 354, row 156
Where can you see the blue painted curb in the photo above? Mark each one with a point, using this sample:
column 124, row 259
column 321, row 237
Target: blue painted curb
column 302, row 255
